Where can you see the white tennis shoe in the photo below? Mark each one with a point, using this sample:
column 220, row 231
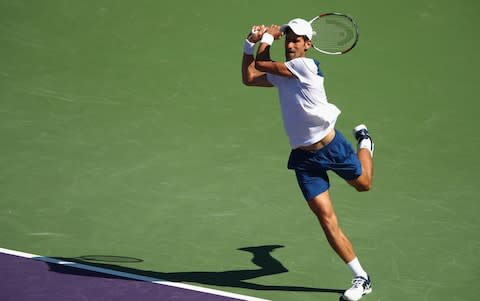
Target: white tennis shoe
column 360, row 287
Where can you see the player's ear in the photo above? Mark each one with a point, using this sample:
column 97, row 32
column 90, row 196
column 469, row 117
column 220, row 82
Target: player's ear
column 308, row 44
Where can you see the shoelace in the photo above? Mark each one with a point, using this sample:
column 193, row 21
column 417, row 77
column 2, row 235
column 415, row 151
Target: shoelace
column 358, row 282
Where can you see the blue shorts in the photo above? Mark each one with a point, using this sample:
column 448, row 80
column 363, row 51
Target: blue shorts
column 311, row 166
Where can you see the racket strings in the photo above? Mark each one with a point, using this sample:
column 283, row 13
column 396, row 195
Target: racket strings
column 334, row 33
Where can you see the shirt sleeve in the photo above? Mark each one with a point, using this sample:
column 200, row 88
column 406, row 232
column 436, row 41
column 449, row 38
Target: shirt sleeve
column 305, row 69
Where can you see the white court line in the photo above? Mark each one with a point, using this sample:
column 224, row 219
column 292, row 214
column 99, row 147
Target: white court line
column 129, row 275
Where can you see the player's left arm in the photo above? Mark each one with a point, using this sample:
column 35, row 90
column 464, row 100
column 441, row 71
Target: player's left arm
column 263, row 61
column 250, row 75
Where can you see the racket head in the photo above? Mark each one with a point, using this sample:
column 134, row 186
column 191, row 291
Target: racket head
column 334, row 33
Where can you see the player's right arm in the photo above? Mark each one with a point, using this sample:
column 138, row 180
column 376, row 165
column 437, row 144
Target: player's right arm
column 250, row 75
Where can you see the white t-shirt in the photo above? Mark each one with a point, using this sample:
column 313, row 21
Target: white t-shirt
column 307, row 114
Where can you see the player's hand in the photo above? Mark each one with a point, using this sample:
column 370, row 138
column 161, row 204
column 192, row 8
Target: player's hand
column 256, row 33
column 275, row 31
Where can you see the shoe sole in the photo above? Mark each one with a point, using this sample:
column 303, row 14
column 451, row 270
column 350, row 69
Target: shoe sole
column 365, row 292
column 359, row 128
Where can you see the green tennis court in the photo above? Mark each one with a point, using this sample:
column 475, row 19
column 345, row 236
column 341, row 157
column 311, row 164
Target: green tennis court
column 126, row 133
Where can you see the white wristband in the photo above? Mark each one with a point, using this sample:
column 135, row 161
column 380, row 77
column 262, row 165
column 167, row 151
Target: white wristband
column 267, row 38
column 248, row 47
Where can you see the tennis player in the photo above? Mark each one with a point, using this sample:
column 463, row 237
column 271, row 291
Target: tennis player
column 309, row 121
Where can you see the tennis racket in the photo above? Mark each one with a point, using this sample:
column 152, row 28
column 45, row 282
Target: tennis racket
column 334, row 33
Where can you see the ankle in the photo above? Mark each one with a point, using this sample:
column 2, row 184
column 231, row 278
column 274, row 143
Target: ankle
column 366, row 144
column 356, row 268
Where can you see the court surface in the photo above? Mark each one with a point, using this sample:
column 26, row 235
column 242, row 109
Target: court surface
column 129, row 143
column 32, row 277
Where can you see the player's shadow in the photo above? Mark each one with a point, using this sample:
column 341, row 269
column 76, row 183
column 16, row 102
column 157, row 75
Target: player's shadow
column 262, row 257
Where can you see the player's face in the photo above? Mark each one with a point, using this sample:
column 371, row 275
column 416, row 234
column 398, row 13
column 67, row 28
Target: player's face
column 295, row 46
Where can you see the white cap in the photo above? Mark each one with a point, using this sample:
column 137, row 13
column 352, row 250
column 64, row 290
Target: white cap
column 300, row 27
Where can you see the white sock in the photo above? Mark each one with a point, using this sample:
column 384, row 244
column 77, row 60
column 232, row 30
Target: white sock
column 357, row 269
column 366, row 143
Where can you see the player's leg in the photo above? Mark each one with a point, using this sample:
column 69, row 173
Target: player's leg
column 322, row 207
column 314, row 184
column 365, row 147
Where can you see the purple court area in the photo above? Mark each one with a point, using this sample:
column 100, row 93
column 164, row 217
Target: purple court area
column 23, row 279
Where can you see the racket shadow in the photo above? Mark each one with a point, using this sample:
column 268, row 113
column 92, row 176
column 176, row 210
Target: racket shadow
column 262, row 258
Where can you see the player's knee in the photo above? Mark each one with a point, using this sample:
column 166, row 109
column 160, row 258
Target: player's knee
column 329, row 223
column 362, row 183
column 364, row 186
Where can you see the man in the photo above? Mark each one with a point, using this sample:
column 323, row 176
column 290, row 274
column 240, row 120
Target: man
column 309, row 121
